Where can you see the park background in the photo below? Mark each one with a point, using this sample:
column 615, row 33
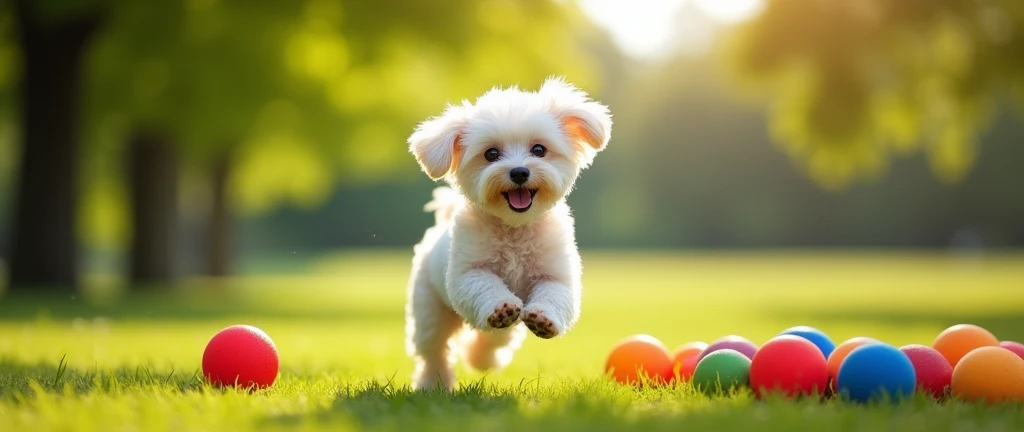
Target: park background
column 172, row 167
column 208, row 137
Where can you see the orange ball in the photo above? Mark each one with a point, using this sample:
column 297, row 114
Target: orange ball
column 842, row 350
column 956, row 341
column 989, row 374
column 640, row 356
column 684, row 359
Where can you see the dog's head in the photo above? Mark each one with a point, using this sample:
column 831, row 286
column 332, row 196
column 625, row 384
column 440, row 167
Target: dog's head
column 514, row 153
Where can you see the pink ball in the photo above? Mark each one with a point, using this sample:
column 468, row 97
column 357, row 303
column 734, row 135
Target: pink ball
column 1016, row 347
column 242, row 356
column 933, row 371
column 738, row 343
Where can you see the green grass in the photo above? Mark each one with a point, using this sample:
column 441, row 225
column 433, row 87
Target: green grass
column 100, row 362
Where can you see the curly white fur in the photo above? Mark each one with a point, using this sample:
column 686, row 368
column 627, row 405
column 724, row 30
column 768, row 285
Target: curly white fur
column 497, row 263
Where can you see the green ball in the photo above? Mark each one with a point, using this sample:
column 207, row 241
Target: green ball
column 722, row 371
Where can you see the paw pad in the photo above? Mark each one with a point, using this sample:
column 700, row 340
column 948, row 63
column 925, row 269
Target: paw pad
column 540, row 325
column 504, row 315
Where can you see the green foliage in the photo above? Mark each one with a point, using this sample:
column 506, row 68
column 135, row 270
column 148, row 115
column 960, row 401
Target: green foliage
column 200, row 71
column 305, row 93
column 855, row 83
column 9, row 61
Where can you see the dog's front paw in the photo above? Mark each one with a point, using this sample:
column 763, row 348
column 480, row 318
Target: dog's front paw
column 540, row 324
column 506, row 314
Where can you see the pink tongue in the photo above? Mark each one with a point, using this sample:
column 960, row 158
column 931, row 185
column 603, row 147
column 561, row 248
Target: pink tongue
column 520, row 198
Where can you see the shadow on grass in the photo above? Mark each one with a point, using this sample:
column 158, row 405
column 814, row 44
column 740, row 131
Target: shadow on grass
column 182, row 306
column 375, row 405
column 1005, row 326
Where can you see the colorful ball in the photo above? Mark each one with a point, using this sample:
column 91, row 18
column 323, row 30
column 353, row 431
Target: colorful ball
column 956, row 341
column 722, row 371
column 739, row 344
column 817, row 337
column 790, row 365
column 932, row 370
column 243, row 356
column 989, row 374
column 839, row 354
column 1016, row 347
column 876, row 371
column 638, row 359
column 684, row 359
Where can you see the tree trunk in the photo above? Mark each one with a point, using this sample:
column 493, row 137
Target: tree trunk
column 153, row 175
column 43, row 250
column 219, row 238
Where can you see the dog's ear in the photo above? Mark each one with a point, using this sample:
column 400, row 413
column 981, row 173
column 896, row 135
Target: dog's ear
column 435, row 142
column 587, row 123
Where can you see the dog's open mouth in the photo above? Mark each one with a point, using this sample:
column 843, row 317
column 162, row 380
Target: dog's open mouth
column 520, row 200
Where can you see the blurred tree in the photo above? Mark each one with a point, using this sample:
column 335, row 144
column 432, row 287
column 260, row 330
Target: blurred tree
column 691, row 165
column 171, row 84
column 856, row 82
column 52, row 37
column 273, row 102
column 8, row 147
column 152, row 173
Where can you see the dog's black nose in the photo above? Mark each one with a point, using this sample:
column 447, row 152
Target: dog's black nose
column 519, row 175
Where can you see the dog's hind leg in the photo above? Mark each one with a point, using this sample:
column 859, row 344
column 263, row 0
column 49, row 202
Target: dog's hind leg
column 430, row 325
column 484, row 350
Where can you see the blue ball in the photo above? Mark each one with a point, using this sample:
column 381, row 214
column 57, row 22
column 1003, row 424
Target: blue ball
column 817, row 337
column 876, row 371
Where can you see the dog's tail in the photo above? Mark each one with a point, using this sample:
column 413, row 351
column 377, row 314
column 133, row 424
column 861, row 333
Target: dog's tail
column 443, row 205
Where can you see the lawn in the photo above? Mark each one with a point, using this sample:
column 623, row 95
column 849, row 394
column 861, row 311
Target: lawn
column 133, row 364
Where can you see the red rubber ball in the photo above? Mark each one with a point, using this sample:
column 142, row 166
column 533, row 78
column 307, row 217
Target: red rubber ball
column 241, row 355
column 789, row 365
column 934, row 374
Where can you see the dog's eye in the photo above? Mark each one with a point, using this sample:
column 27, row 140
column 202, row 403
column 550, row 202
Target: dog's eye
column 491, row 154
column 539, row 150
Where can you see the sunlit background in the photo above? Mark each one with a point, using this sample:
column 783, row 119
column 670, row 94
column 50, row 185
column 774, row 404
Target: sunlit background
column 154, row 141
column 655, row 29
column 169, row 168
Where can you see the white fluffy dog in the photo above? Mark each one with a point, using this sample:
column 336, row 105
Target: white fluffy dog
column 503, row 247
